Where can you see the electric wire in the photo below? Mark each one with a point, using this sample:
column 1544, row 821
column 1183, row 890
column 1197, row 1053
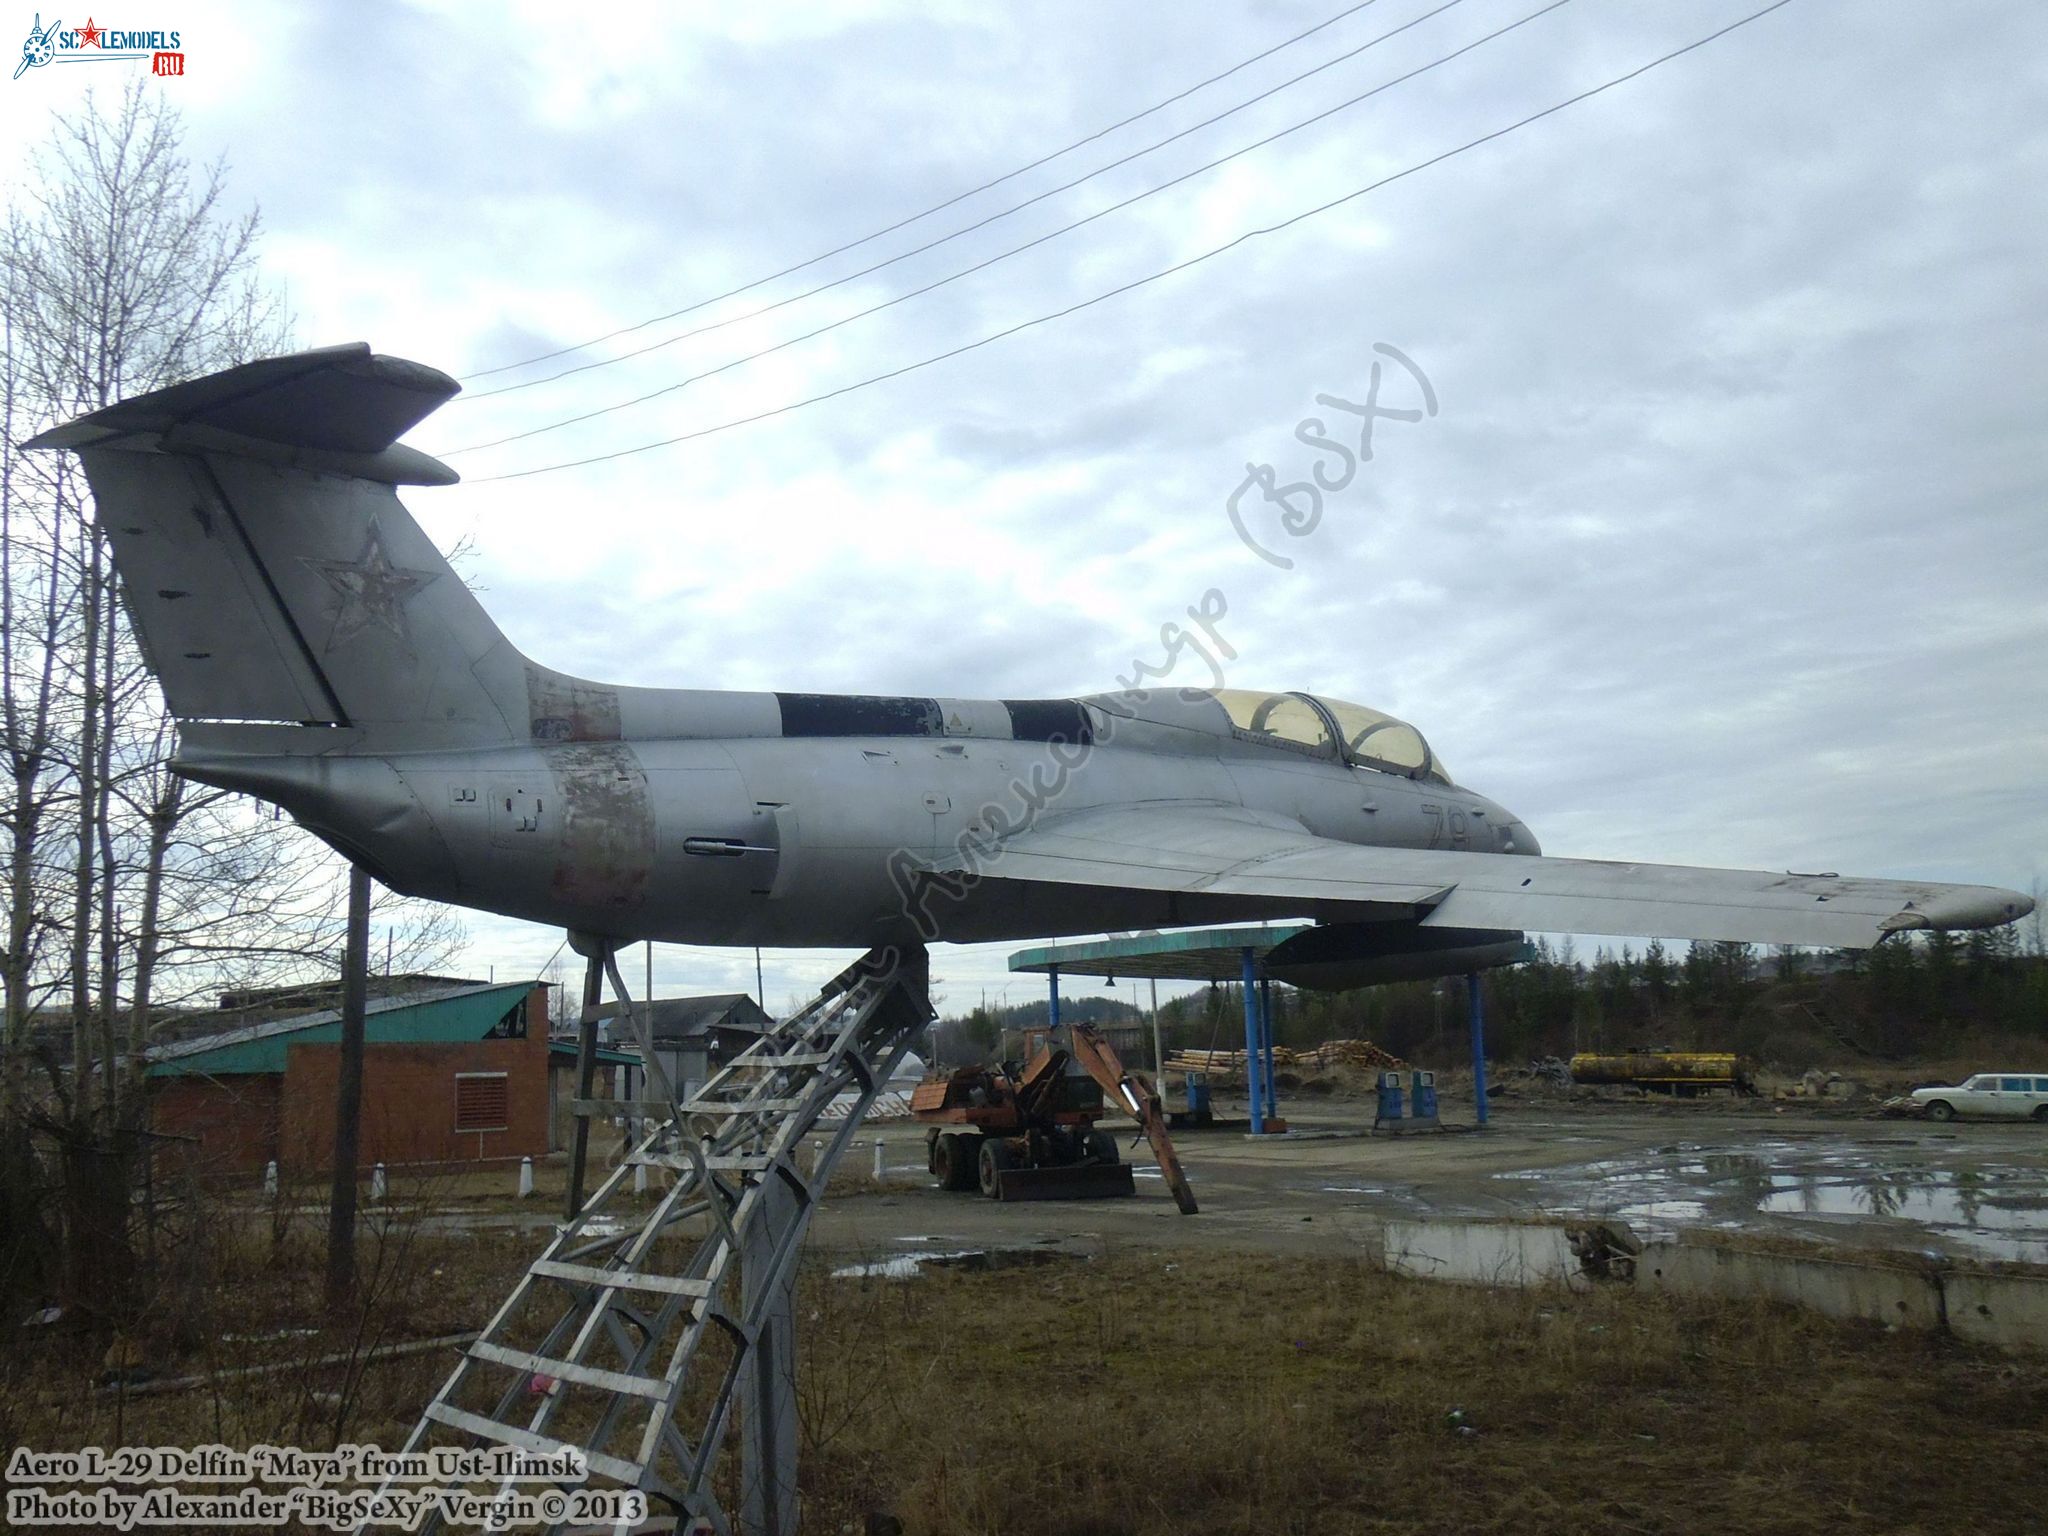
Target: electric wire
column 958, row 197
column 1141, row 282
column 1015, row 250
column 967, row 229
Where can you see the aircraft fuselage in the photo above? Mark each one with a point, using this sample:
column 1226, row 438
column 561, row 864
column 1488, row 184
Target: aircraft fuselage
column 795, row 841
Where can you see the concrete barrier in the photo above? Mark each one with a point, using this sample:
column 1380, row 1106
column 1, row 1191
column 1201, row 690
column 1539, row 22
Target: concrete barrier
column 1482, row 1253
column 2009, row 1310
column 1841, row 1288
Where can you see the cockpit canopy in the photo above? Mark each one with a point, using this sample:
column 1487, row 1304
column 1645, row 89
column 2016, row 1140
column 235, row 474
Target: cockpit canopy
column 1331, row 728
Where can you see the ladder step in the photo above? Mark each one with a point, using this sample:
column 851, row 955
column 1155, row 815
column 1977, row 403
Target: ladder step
column 736, row 1162
column 622, row 1109
column 618, row 1279
column 724, row 1163
column 731, row 1107
column 792, row 1059
column 540, row 1445
column 649, row 1387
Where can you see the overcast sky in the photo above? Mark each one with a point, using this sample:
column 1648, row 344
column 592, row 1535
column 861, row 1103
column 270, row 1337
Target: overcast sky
column 1725, row 546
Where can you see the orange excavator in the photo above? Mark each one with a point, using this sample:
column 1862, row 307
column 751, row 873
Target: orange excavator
column 1029, row 1132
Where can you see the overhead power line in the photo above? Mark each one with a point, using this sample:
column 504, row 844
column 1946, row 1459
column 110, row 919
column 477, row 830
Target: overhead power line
column 1153, row 277
column 940, row 207
column 982, row 223
column 1015, row 250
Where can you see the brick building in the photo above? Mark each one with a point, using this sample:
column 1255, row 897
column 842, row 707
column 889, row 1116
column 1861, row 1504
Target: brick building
column 453, row 1072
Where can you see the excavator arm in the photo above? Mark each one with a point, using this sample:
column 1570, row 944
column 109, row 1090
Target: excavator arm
column 1134, row 1091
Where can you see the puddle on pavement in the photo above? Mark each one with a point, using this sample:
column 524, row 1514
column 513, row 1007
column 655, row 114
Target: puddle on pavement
column 907, row 1266
column 1972, row 1209
column 1909, row 1192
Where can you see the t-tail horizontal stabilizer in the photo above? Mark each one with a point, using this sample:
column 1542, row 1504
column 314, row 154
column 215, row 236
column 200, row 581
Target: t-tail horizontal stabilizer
column 273, row 574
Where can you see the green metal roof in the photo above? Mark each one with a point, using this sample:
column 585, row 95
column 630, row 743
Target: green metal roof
column 1196, row 954
column 468, row 1013
column 606, row 1055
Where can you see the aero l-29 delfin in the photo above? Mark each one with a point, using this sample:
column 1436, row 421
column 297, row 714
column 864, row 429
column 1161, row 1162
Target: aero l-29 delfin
column 319, row 652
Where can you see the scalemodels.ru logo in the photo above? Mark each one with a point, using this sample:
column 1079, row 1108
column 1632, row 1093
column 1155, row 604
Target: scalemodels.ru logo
column 95, row 44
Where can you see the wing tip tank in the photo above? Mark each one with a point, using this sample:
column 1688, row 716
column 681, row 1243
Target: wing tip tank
column 1959, row 907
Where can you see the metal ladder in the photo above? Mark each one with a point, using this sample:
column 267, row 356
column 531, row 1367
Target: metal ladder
column 634, row 1323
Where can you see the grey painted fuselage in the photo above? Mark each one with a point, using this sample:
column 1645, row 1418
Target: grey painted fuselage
column 810, row 840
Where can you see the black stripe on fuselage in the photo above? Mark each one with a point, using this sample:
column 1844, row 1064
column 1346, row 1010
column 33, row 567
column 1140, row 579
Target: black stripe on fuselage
column 857, row 714
column 1049, row 720
column 863, row 714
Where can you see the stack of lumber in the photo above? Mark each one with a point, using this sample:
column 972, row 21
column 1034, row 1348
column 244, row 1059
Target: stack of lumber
column 1359, row 1055
column 1219, row 1063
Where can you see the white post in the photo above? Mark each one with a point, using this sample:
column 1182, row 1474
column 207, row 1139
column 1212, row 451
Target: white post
column 270, row 1179
column 377, row 1183
column 525, row 1177
column 878, row 1157
column 639, row 1178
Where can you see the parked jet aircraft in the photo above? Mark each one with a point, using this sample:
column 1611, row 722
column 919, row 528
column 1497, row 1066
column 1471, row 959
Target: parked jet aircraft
column 320, row 653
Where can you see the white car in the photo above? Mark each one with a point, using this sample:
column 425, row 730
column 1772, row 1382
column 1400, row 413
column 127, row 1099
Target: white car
column 1994, row 1095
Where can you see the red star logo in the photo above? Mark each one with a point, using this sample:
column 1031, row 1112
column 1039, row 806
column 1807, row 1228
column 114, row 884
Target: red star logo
column 89, row 35
column 370, row 589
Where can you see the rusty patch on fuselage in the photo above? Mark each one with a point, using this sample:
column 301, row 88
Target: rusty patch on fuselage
column 563, row 708
column 607, row 847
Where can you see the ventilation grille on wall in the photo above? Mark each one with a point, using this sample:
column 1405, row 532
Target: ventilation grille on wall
column 482, row 1101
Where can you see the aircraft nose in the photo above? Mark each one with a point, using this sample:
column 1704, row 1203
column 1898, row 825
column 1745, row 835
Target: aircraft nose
column 1514, row 835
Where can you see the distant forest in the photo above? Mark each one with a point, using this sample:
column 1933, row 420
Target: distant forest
column 1923, row 998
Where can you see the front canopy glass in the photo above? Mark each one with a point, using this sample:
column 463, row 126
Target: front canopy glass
column 1320, row 727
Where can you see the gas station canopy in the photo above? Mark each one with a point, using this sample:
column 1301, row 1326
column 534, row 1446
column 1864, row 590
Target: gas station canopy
column 1205, row 954
column 1241, row 955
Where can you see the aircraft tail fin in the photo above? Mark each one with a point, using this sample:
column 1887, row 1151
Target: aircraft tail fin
column 271, row 571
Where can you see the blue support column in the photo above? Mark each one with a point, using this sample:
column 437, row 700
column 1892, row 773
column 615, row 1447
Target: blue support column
column 1477, row 1008
column 1266, row 1041
column 1052, row 1016
column 1251, row 1042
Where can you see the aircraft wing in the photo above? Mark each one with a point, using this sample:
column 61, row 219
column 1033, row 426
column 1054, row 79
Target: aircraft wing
column 1223, row 850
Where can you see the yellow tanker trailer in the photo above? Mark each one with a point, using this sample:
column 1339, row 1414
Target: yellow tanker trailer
column 1677, row 1072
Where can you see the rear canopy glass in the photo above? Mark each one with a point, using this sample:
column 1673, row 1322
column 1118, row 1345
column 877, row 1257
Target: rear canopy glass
column 1319, row 727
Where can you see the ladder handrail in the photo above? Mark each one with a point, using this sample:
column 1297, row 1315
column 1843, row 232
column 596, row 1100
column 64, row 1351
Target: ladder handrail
column 752, row 1116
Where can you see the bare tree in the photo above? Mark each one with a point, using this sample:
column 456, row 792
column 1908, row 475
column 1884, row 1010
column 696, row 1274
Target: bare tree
column 121, row 270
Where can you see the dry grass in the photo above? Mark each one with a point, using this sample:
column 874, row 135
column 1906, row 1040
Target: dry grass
column 1146, row 1393
column 1241, row 1394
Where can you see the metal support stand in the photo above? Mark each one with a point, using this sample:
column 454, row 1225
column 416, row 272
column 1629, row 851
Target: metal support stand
column 586, row 1072
column 630, row 1314
column 1477, row 1009
column 768, row 1421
